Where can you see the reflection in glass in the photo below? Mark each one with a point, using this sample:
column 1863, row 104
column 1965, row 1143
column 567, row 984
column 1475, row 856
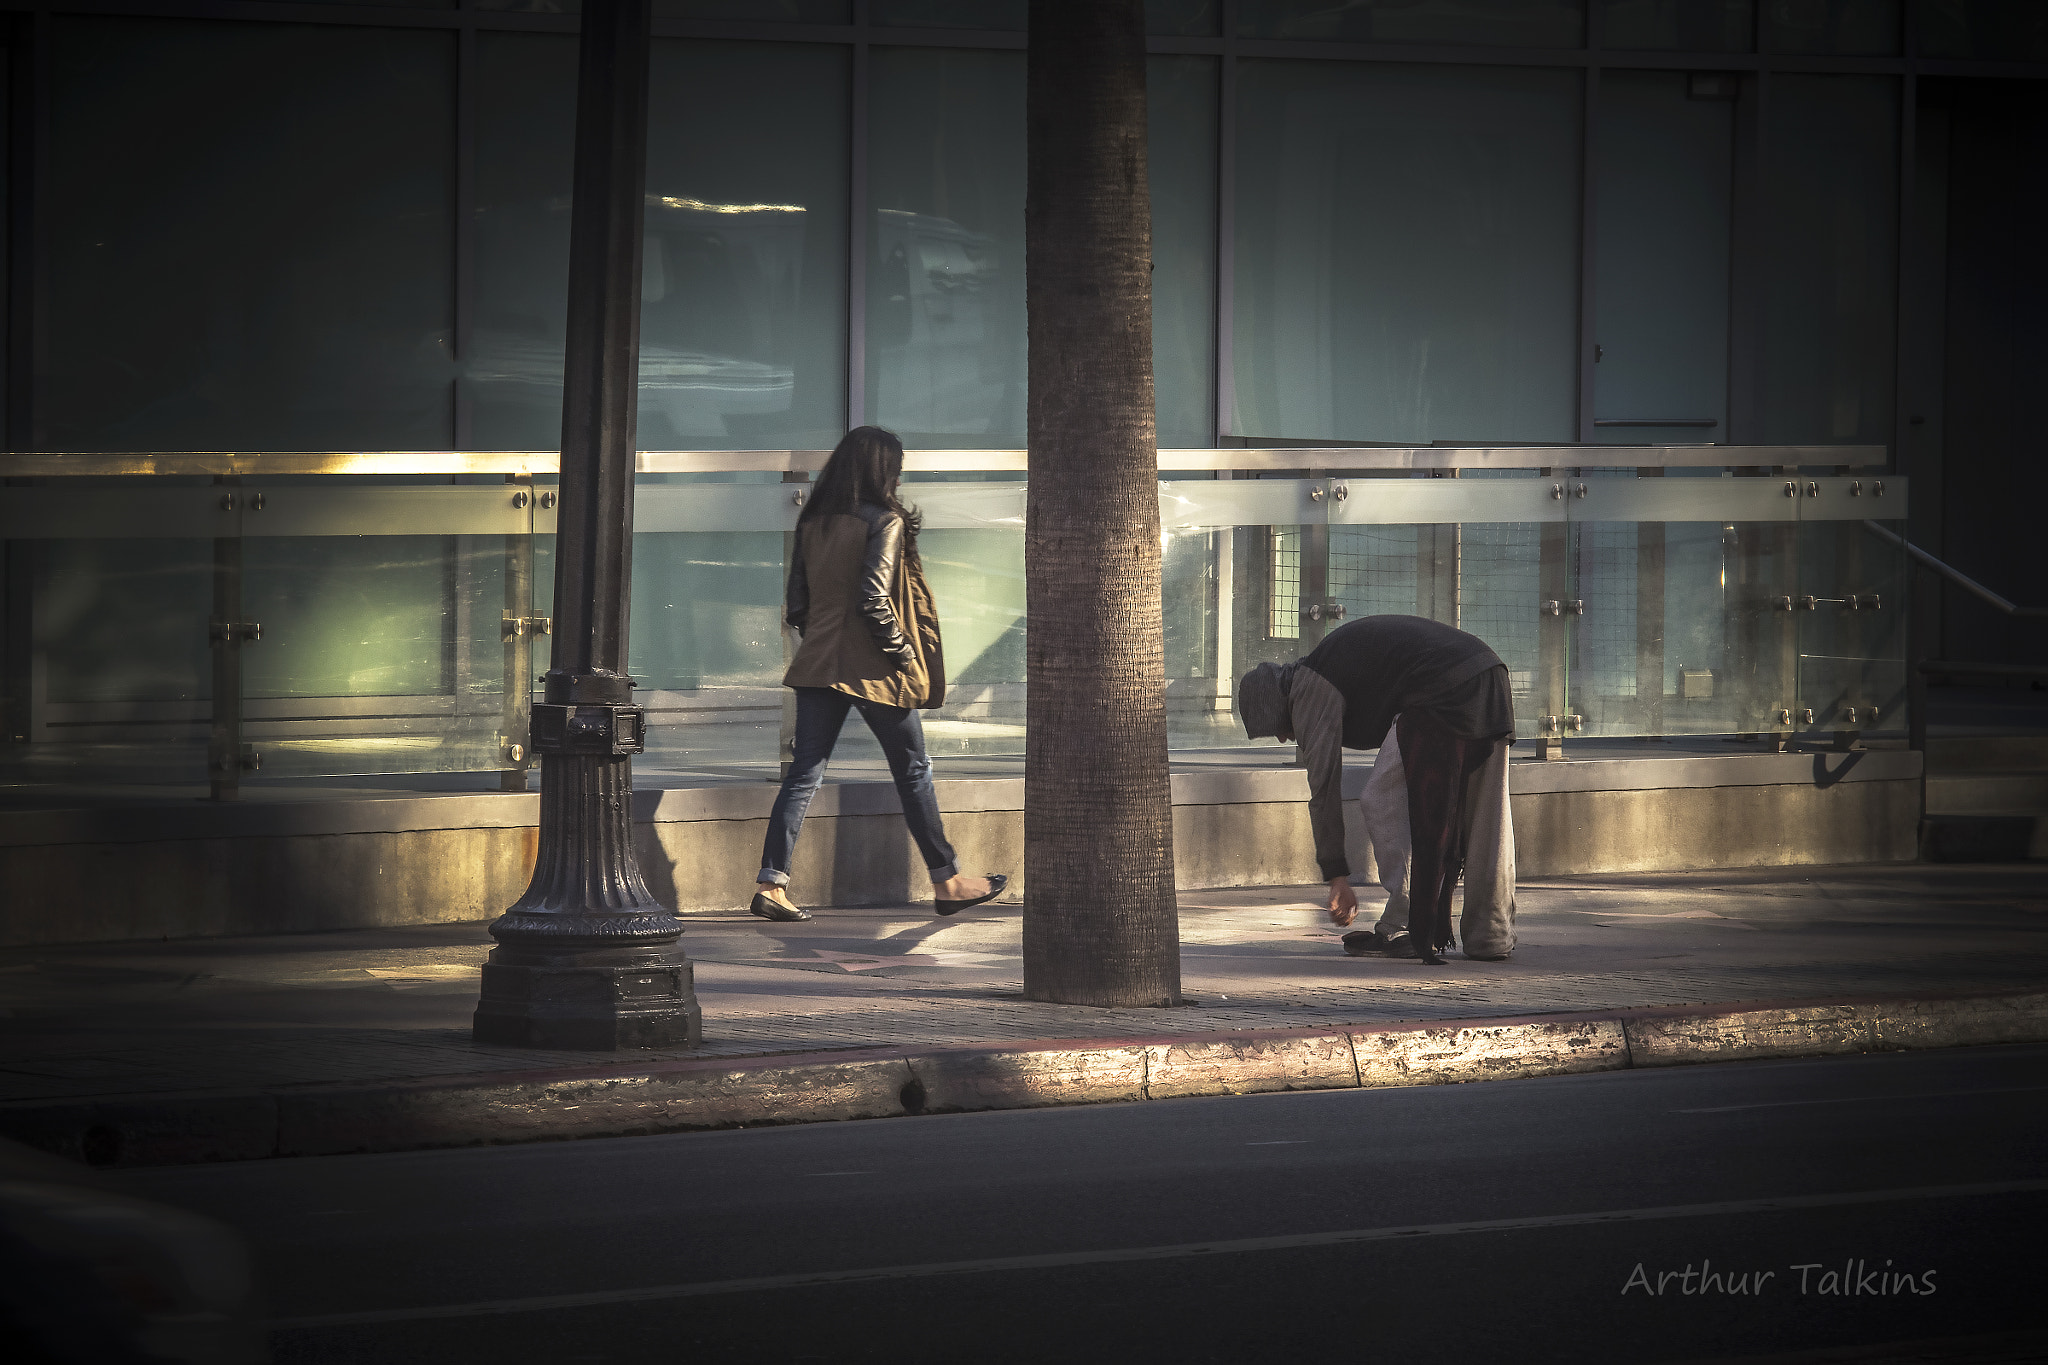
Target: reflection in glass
column 347, row 616
column 1519, row 23
column 1845, row 27
column 978, row 14
column 945, row 316
column 1831, row 259
column 122, row 621
column 1679, row 25
column 249, row 237
column 707, row 609
column 380, row 654
column 1183, row 18
column 525, row 152
column 1181, row 95
column 1407, row 253
column 1993, row 30
column 743, row 271
column 743, row 286
column 119, row 628
column 1662, row 244
column 759, row 11
column 754, row 11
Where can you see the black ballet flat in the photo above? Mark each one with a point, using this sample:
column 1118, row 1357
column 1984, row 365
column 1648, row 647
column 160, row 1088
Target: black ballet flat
column 996, row 882
column 776, row 910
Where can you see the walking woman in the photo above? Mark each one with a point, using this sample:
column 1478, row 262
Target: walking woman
column 858, row 598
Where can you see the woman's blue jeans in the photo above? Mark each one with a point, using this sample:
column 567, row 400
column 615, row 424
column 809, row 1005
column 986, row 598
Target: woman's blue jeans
column 820, row 715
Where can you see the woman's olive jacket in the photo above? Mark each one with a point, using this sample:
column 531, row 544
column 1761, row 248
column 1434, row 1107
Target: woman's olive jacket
column 851, row 593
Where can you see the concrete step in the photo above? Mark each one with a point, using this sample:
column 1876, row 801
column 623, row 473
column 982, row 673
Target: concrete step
column 1986, row 753
column 1997, row 837
column 1987, row 793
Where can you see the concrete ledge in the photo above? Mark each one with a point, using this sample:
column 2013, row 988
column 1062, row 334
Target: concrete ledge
column 527, row 1107
column 178, row 1129
column 1030, row 1077
column 271, row 865
column 1248, row 1064
column 1807, row 1031
column 1826, row 1028
column 1439, row 1055
column 271, row 813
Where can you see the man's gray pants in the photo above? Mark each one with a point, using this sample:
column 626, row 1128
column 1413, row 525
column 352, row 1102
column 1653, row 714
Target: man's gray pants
column 1486, row 928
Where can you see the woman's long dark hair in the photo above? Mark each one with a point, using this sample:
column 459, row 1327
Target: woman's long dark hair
column 865, row 466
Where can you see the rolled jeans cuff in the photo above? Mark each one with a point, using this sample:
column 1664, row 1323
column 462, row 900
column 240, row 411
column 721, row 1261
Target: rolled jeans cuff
column 950, row 870
column 768, row 876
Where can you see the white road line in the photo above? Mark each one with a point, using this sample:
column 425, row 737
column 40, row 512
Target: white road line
column 542, row 1303
column 1865, row 1099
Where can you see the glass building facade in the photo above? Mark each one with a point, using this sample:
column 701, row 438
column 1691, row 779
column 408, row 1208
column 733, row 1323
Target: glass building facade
column 290, row 296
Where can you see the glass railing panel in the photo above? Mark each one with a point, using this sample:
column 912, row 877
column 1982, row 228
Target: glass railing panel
column 707, row 653
column 1243, row 583
column 976, row 576
column 705, row 623
column 1188, row 504
column 1472, row 553
column 1196, row 566
column 402, row 619
column 391, row 620
column 1677, row 605
column 1850, row 606
column 109, row 598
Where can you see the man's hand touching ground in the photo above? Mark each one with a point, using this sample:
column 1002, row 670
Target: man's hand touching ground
column 1343, row 902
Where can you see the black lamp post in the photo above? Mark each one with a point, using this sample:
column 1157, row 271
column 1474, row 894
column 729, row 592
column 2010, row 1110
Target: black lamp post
column 587, row 958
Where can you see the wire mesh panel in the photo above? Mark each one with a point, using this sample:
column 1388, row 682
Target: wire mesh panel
column 1603, row 684
column 1373, row 570
column 1283, row 582
column 1500, row 601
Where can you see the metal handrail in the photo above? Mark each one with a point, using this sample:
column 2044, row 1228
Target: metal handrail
column 1956, row 576
column 58, row 464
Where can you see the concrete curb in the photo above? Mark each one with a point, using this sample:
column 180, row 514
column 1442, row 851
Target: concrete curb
column 678, row 1096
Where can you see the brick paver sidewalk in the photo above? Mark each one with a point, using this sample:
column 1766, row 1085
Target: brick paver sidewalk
column 229, row 1014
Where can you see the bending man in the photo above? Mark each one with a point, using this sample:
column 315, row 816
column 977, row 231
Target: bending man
column 1435, row 702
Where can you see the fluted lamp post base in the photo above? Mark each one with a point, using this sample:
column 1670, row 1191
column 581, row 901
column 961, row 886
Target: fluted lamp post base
column 587, row 958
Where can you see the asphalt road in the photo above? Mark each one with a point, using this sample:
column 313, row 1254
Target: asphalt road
column 1522, row 1221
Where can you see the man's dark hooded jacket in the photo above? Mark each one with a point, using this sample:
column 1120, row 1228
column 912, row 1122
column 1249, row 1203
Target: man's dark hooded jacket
column 1347, row 692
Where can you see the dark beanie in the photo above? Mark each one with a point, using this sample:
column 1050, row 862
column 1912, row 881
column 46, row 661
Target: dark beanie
column 1262, row 700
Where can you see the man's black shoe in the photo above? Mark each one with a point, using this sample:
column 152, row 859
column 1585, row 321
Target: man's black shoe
column 1363, row 943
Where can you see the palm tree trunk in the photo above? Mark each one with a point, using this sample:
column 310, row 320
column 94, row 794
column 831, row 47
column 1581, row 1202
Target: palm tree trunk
column 1100, row 921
